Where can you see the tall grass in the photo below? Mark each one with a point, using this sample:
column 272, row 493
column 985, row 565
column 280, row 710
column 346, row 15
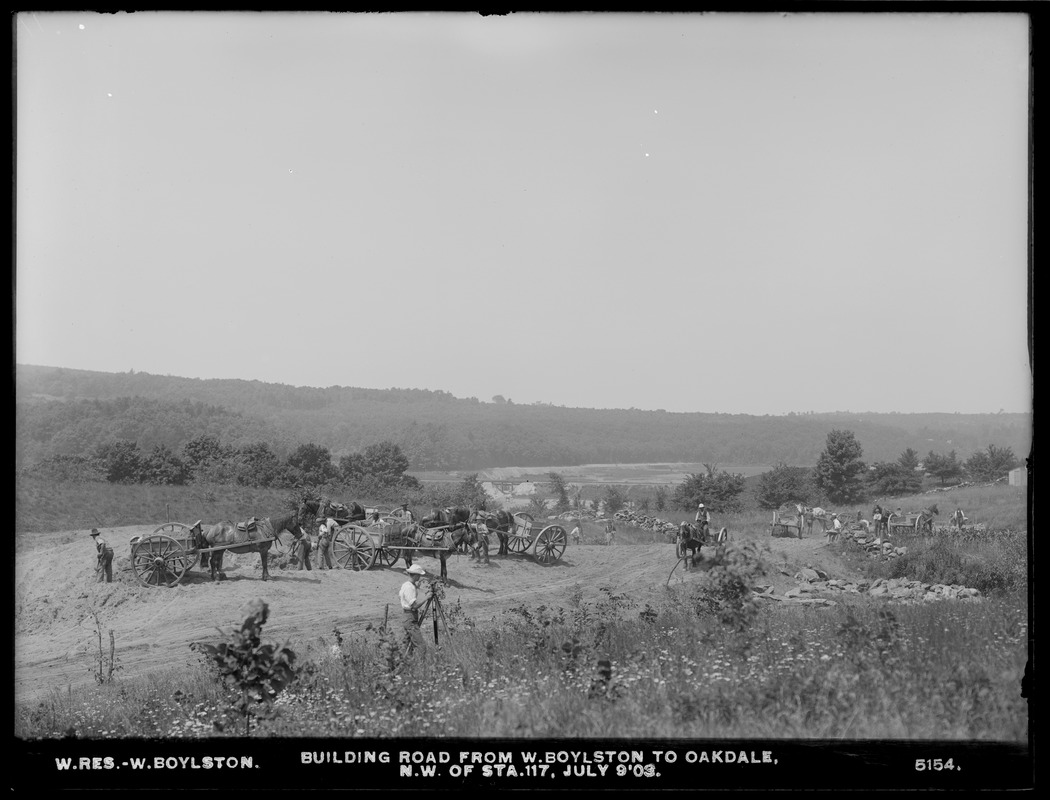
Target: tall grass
column 612, row 669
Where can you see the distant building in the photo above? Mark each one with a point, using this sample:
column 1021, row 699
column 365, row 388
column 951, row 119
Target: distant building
column 1019, row 476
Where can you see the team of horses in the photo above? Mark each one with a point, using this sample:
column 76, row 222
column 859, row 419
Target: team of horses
column 251, row 536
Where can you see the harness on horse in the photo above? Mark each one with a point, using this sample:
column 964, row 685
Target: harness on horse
column 248, row 525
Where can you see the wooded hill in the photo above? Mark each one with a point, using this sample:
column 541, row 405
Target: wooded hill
column 70, row 412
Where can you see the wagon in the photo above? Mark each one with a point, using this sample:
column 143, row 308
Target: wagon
column 359, row 547
column 163, row 558
column 908, row 523
column 786, row 524
column 547, row 546
column 710, row 538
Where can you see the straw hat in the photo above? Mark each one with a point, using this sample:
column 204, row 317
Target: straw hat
column 415, row 569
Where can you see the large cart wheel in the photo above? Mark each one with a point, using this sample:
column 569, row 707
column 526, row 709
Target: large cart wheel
column 723, row 536
column 388, row 556
column 520, row 537
column 550, row 544
column 160, row 560
column 679, row 549
column 354, row 548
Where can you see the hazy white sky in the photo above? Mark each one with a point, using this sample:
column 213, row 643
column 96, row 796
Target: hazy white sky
column 742, row 213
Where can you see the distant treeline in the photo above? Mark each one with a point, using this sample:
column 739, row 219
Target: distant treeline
column 64, row 412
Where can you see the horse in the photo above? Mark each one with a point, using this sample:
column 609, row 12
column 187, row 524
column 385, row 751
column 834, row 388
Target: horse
column 688, row 542
column 452, row 518
column 435, row 543
column 810, row 515
column 924, row 522
column 501, row 522
column 255, row 538
column 341, row 512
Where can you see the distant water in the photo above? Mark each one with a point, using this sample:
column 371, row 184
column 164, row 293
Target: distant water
column 656, row 473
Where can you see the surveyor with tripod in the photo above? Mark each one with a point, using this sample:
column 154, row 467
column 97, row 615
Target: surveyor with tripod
column 412, row 600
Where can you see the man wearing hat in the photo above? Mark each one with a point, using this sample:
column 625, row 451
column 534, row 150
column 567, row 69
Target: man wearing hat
column 836, row 528
column 703, row 519
column 411, row 602
column 104, row 565
column 325, row 535
column 404, row 514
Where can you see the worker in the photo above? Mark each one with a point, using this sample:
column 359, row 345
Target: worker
column 325, row 535
column 104, row 563
column 411, row 601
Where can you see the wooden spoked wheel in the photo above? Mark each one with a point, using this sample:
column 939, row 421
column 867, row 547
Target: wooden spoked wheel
column 354, row 548
column 520, row 538
column 160, row 560
column 679, row 549
column 550, row 544
column 388, row 556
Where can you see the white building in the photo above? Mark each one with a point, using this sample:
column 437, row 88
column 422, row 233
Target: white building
column 1019, row 476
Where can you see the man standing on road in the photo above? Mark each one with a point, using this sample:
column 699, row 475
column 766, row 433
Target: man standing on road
column 324, row 543
column 404, row 514
column 104, row 564
column 411, row 602
column 610, row 531
column 304, row 545
column 576, row 534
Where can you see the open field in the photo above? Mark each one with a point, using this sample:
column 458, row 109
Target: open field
column 687, row 654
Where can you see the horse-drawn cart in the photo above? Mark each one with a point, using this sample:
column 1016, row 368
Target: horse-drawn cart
column 922, row 522
column 163, row 558
column 786, row 524
column 546, row 547
column 360, row 547
column 702, row 536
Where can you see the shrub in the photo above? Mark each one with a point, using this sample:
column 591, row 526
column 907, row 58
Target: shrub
column 256, row 672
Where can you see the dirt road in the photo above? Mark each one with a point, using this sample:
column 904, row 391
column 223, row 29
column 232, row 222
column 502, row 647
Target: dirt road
column 57, row 600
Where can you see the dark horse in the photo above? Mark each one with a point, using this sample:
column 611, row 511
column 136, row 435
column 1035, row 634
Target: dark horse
column 255, row 537
column 340, row 512
column 924, row 522
column 452, row 518
column 435, row 541
column 688, row 543
column 501, row 522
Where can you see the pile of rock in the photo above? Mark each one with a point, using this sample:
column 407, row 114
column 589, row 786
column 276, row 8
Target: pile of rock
column 668, row 529
column 874, row 546
column 812, row 582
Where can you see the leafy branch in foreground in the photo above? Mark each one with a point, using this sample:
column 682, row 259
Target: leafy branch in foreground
column 256, row 672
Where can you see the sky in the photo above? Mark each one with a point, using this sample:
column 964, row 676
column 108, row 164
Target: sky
column 752, row 213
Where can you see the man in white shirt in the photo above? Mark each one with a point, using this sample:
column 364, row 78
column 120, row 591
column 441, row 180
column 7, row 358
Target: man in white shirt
column 411, row 602
column 836, row 527
column 325, row 534
column 576, row 534
column 703, row 519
